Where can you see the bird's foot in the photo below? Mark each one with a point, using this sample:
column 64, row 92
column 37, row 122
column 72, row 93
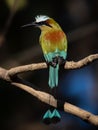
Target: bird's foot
column 56, row 60
column 53, row 64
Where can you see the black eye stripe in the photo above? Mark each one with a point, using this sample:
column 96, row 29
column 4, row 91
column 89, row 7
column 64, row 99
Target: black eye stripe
column 44, row 23
column 41, row 23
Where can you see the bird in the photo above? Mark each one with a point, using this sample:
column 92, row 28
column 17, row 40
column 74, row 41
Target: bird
column 53, row 42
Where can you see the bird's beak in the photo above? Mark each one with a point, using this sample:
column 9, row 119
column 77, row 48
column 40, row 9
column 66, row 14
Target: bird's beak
column 30, row 24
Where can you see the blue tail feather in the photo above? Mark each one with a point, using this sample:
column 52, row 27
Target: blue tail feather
column 47, row 114
column 51, row 117
column 53, row 76
column 56, row 74
column 55, row 113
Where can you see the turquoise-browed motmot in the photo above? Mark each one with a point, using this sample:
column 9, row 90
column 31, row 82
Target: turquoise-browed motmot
column 53, row 42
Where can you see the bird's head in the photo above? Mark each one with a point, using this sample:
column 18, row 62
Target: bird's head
column 44, row 23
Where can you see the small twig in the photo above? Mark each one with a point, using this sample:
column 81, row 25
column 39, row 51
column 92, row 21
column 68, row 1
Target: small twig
column 81, row 63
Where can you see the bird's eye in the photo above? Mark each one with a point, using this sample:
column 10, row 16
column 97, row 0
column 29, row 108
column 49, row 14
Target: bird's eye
column 47, row 24
column 41, row 23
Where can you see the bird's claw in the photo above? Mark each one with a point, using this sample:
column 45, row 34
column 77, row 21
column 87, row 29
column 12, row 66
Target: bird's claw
column 56, row 60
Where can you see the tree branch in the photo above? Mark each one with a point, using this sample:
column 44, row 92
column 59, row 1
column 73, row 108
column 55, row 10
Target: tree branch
column 69, row 108
column 9, row 75
column 81, row 63
column 68, row 65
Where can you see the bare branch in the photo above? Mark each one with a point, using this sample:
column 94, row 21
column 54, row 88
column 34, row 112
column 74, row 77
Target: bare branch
column 81, row 63
column 4, row 75
column 84, row 115
column 44, row 97
column 26, row 68
column 68, row 65
column 69, row 108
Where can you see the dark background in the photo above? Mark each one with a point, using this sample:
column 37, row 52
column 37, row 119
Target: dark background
column 19, row 46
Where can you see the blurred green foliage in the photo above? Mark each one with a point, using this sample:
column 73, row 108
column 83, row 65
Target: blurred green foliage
column 21, row 4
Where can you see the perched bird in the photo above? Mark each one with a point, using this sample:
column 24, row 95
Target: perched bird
column 53, row 42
